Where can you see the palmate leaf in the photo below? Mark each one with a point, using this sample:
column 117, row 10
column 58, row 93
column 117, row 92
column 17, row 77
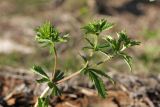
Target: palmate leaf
column 97, row 27
column 47, row 33
column 106, row 25
column 123, row 42
column 98, row 82
column 89, row 29
column 38, row 70
column 101, row 73
column 127, row 42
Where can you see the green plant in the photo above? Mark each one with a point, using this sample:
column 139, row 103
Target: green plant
column 109, row 47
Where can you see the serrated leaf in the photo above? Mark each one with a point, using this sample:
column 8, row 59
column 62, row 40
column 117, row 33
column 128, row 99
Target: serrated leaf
column 47, row 33
column 100, row 46
column 58, row 75
column 38, row 70
column 46, row 102
column 99, row 72
column 43, row 80
column 50, row 84
column 98, row 82
column 40, row 102
column 88, row 47
column 105, row 25
column 127, row 42
column 43, row 102
column 133, row 43
column 112, row 43
column 97, row 27
column 127, row 59
column 56, row 91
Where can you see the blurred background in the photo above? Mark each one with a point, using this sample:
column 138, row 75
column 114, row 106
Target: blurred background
column 19, row 51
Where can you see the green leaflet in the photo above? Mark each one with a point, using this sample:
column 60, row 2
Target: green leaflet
column 54, row 88
column 105, row 45
column 40, row 102
column 58, row 76
column 127, row 59
column 38, row 70
column 43, row 80
column 113, row 44
column 101, row 73
column 98, row 82
column 56, row 91
column 43, row 102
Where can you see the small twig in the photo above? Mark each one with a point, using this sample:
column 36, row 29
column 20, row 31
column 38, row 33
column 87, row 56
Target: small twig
column 86, row 91
column 69, row 104
column 17, row 89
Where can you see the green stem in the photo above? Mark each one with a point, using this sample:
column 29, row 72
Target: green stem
column 95, row 41
column 55, row 63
